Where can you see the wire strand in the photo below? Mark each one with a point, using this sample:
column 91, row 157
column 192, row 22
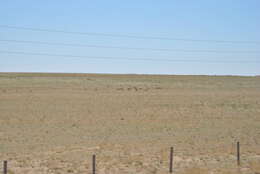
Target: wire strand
column 127, row 36
column 127, row 58
column 125, row 48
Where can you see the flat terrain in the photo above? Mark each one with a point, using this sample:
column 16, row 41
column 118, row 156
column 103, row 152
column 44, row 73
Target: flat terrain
column 53, row 123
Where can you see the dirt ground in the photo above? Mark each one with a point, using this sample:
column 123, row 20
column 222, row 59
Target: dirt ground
column 54, row 123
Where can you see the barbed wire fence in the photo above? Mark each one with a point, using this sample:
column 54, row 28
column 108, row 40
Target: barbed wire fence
column 94, row 166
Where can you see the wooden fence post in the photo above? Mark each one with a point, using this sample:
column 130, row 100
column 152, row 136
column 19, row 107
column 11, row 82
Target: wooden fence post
column 171, row 159
column 238, row 153
column 94, row 164
column 5, row 167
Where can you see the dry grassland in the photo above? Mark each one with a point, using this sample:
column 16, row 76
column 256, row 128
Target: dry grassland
column 53, row 123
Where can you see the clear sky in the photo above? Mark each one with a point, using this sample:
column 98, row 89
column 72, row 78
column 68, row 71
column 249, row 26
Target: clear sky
column 234, row 20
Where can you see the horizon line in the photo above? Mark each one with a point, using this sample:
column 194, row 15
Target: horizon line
column 137, row 74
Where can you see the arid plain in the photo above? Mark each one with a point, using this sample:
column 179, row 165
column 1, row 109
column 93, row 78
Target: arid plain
column 53, row 123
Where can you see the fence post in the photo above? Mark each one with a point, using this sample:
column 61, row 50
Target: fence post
column 94, row 164
column 238, row 153
column 5, row 167
column 171, row 159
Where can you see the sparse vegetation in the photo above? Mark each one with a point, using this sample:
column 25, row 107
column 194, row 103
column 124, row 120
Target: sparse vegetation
column 53, row 123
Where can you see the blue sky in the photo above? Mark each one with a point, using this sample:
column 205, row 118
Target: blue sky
column 236, row 20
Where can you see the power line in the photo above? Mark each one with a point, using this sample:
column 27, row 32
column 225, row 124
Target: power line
column 124, row 48
column 127, row 58
column 128, row 36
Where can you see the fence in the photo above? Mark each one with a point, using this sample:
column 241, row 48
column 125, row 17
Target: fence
column 171, row 158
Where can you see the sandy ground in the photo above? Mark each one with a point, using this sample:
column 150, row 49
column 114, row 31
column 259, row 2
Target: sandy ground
column 54, row 123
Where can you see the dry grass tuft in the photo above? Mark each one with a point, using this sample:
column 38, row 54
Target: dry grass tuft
column 195, row 170
column 229, row 171
column 255, row 166
column 10, row 172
